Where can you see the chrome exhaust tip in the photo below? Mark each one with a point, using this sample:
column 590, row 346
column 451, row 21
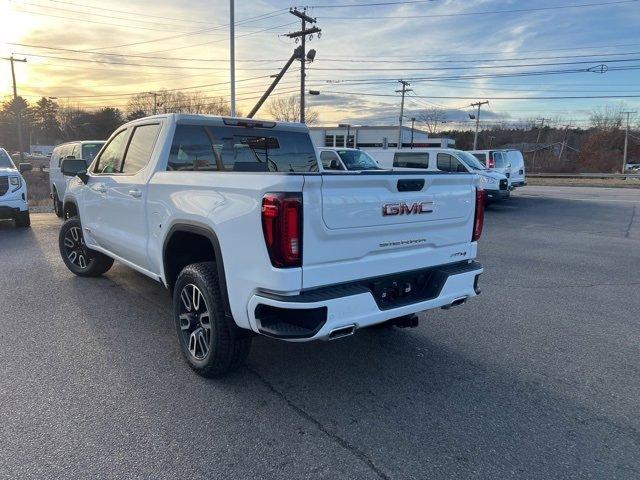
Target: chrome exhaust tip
column 342, row 332
column 456, row 303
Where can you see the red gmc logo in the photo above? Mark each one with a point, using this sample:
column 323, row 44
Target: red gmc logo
column 406, row 209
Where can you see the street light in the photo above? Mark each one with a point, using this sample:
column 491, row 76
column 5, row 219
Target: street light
column 348, row 127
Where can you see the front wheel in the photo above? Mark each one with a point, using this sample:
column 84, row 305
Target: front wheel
column 212, row 344
column 81, row 260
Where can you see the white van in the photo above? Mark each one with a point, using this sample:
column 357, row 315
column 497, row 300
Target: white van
column 494, row 160
column 85, row 150
column 495, row 184
column 516, row 160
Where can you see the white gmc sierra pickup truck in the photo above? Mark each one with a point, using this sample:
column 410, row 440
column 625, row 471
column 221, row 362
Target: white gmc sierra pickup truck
column 235, row 219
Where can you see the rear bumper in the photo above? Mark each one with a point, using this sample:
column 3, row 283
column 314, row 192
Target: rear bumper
column 316, row 313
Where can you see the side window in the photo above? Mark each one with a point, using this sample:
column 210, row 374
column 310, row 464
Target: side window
column 449, row 163
column 191, row 149
column 327, row 157
column 111, row 158
column 143, row 139
column 411, row 160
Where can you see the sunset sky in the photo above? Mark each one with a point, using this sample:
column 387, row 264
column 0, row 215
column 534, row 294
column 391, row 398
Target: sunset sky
column 93, row 53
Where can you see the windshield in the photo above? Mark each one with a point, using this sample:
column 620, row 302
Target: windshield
column 5, row 160
column 357, row 160
column 470, row 161
column 90, row 150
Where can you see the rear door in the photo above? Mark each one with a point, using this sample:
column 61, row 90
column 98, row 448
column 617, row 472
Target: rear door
column 366, row 224
column 517, row 165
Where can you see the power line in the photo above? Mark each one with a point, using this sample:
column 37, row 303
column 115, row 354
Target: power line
column 138, row 14
column 489, row 12
column 204, row 30
column 567, row 97
column 151, row 57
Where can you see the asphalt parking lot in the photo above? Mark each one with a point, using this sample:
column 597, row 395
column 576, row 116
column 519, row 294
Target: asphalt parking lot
column 539, row 377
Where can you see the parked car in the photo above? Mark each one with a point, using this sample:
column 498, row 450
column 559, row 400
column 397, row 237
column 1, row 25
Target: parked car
column 84, row 150
column 495, row 160
column 236, row 219
column 495, row 184
column 13, row 191
column 341, row 159
column 516, row 160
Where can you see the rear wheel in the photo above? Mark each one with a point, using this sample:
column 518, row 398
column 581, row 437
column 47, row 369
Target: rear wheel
column 23, row 219
column 57, row 204
column 212, row 344
column 81, row 260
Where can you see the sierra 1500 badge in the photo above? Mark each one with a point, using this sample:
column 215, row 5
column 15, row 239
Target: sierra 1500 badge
column 406, row 209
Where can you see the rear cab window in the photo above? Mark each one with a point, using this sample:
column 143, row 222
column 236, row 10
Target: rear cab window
column 241, row 149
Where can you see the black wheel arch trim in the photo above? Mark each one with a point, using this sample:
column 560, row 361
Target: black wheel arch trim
column 207, row 232
column 65, row 203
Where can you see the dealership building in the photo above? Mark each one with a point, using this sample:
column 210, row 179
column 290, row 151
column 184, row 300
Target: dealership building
column 365, row 137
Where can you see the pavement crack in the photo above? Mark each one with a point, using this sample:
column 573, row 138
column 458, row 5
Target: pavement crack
column 633, row 217
column 333, row 436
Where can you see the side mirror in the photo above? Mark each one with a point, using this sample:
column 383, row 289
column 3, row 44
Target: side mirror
column 334, row 165
column 25, row 167
column 73, row 167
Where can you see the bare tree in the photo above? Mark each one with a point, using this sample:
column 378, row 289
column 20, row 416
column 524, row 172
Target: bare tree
column 177, row 102
column 432, row 118
column 287, row 109
column 606, row 118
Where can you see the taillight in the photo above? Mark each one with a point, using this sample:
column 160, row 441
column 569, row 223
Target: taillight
column 282, row 227
column 478, row 219
column 491, row 163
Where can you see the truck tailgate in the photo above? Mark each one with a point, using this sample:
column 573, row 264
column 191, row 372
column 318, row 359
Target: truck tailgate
column 362, row 225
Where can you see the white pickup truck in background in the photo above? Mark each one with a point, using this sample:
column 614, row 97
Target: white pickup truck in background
column 234, row 217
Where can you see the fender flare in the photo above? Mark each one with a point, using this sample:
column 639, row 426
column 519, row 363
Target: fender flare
column 207, row 232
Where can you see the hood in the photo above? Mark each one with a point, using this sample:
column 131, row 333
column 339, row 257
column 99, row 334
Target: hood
column 8, row 171
column 491, row 174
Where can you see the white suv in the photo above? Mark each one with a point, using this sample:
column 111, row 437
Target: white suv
column 13, row 192
column 84, row 150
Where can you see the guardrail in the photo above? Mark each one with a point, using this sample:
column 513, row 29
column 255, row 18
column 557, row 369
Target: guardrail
column 621, row 176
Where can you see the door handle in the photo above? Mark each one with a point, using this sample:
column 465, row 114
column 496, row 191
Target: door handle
column 135, row 193
column 101, row 188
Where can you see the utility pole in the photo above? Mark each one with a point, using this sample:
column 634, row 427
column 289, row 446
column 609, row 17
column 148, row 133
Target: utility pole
column 535, row 152
column 15, row 103
column 413, row 122
column 475, row 137
column 626, row 141
column 297, row 54
column 564, row 141
column 232, row 55
column 302, row 33
column 404, row 90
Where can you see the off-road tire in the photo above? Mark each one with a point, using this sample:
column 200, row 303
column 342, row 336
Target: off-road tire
column 228, row 345
column 95, row 263
column 57, row 204
column 23, row 219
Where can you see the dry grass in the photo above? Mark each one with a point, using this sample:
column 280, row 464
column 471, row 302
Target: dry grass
column 584, row 182
column 37, row 188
